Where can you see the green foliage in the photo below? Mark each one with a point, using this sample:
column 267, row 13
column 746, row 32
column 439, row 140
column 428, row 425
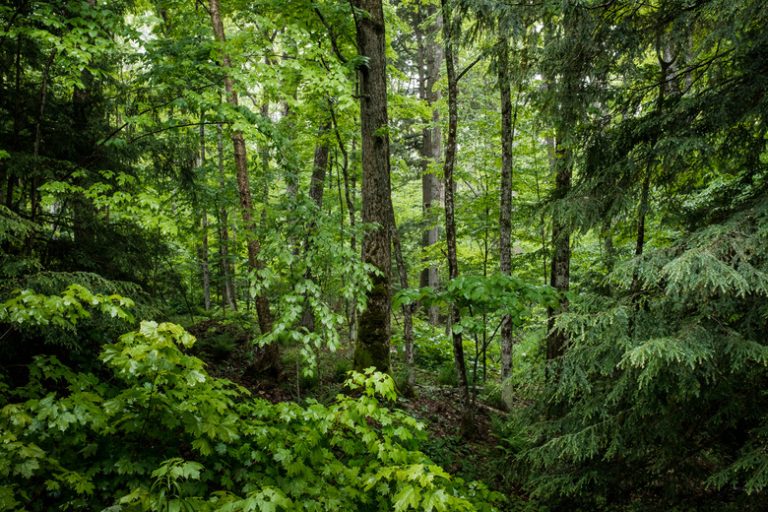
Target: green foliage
column 117, row 179
column 662, row 392
column 163, row 434
column 497, row 294
column 61, row 320
column 433, row 348
column 309, row 276
column 61, row 311
column 13, row 228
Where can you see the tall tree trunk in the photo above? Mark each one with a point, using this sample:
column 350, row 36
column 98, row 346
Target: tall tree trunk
column 203, row 252
column 430, row 60
column 508, row 119
column 549, row 143
column 408, row 309
column 450, row 190
column 666, row 60
column 17, row 108
column 203, row 256
column 243, row 184
column 227, row 272
column 270, row 358
column 642, row 211
column 350, row 185
column 566, row 115
column 372, row 348
column 291, row 172
column 320, row 167
column 559, row 274
column 34, row 196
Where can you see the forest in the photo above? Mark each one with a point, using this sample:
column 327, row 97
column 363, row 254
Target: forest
column 374, row 255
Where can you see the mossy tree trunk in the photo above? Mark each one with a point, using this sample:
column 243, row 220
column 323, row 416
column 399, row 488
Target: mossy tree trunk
column 372, row 347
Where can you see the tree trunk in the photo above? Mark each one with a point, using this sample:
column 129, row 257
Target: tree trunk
column 430, row 61
column 665, row 63
column 549, row 143
column 203, row 250
column 450, row 190
column 350, row 187
column 566, row 116
column 372, row 348
column 17, row 108
column 269, row 359
column 508, row 119
column 407, row 308
column 204, row 263
column 227, row 272
column 243, row 184
column 291, row 172
column 319, row 167
column 34, row 196
column 559, row 274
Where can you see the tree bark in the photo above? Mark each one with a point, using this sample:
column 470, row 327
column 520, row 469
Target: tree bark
column 204, row 269
column 430, row 60
column 408, row 309
column 665, row 63
column 350, row 186
column 450, row 190
column 561, row 249
column 34, row 196
column 227, row 272
column 203, row 252
column 508, row 119
column 566, row 116
column 319, row 168
column 372, row 348
column 243, row 184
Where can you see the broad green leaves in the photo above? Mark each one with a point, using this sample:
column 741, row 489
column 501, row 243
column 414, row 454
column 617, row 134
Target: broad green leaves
column 162, row 434
column 62, row 311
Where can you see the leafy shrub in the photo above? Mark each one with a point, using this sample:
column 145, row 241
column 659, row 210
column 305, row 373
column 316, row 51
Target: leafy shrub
column 433, row 351
column 161, row 434
column 446, row 375
column 73, row 324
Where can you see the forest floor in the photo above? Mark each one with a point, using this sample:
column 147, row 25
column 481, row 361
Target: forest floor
column 440, row 409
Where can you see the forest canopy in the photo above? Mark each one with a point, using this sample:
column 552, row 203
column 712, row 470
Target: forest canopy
column 368, row 255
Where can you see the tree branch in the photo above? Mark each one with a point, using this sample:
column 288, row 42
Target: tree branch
column 470, row 66
column 166, row 128
column 334, row 43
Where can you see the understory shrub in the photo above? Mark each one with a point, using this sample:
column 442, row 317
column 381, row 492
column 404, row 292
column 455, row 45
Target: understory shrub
column 159, row 433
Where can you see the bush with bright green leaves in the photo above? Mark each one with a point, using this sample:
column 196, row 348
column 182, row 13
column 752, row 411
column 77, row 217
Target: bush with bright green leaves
column 433, row 349
column 153, row 431
column 74, row 323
